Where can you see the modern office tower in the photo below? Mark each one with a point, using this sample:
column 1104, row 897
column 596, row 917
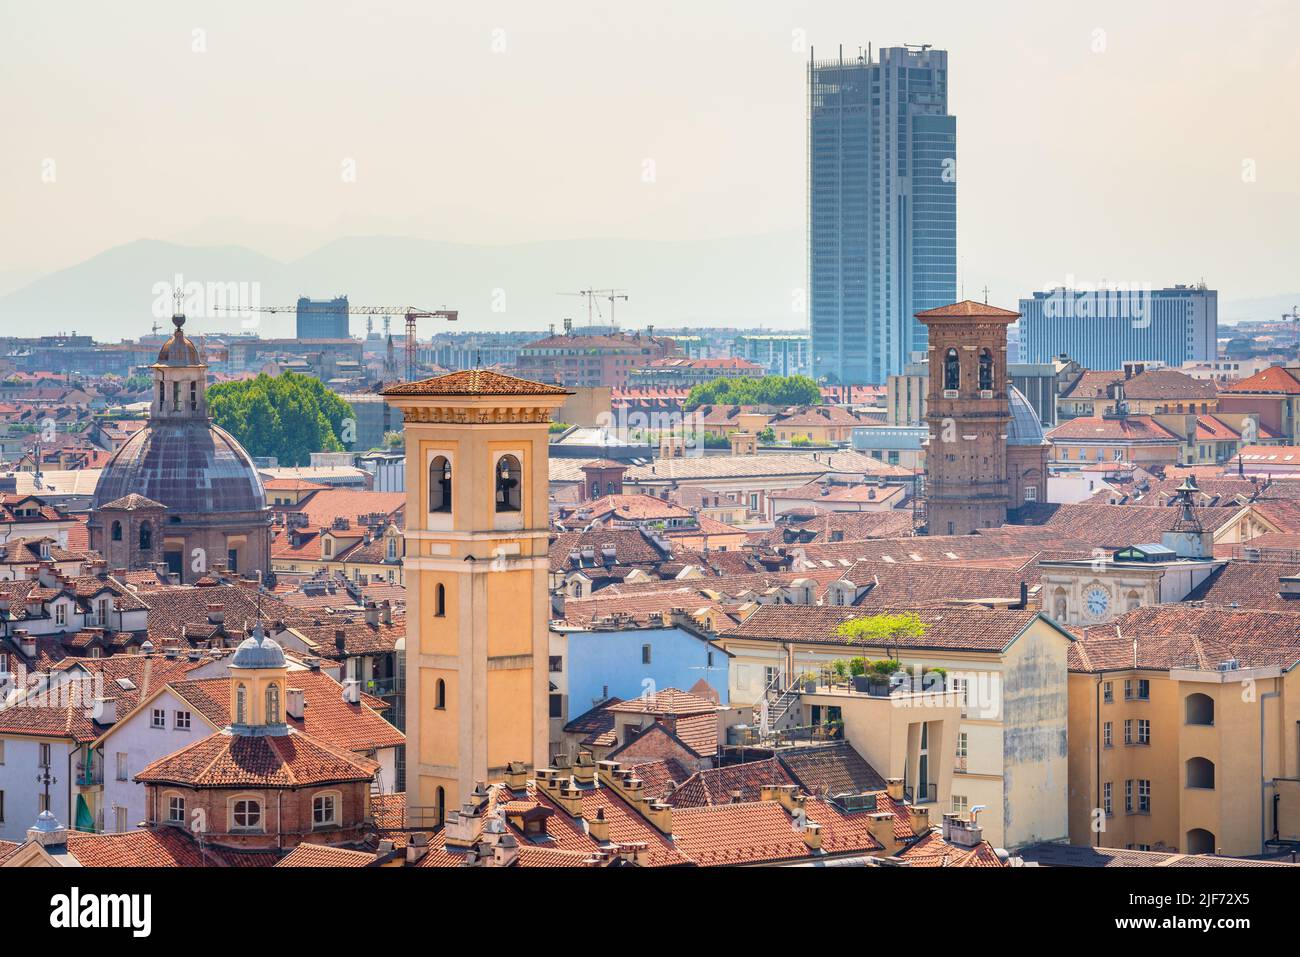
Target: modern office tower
column 882, row 208
column 779, row 354
column 1104, row 328
column 323, row 318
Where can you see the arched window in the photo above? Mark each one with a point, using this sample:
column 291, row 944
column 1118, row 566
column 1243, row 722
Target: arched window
column 508, row 484
column 146, row 536
column 117, row 531
column 440, row 484
column 392, row 549
column 441, row 798
column 595, row 489
column 1199, row 709
column 1200, row 841
column 1200, row 773
column 1060, row 607
column 440, row 696
column 986, row 370
column 247, row 815
column 194, row 396
column 440, row 600
column 241, row 704
column 273, row 704
column 609, row 488
column 951, row 371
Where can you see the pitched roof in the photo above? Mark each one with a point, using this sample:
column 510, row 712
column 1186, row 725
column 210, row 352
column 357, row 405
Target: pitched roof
column 933, row 851
column 1129, row 428
column 1162, row 637
column 959, row 628
column 473, row 382
column 968, row 309
column 225, row 760
column 830, row 770
column 326, row 716
column 669, row 701
column 146, row 847
column 321, row 855
column 716, row 785
column 1274, row 380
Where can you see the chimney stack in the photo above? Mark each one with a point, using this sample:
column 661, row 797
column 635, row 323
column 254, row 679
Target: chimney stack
column 894, row 788
column 598, row 827
column 295, row 703
column 352, row 691
column 372, row 614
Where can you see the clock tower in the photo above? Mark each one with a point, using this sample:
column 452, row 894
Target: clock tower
column 967, row 411
column 477, row 611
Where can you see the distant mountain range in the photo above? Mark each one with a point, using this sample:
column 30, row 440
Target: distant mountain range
column 745, row 281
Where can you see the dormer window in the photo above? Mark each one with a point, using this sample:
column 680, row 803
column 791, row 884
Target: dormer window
column 508, row 484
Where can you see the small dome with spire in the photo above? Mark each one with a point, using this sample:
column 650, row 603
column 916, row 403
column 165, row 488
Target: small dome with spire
column 179, row 350
column 257, row 651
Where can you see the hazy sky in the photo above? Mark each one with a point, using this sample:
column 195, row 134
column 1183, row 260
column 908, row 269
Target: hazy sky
column 1140, row 142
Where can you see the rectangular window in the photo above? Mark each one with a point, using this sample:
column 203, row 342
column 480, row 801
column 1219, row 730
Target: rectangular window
column 1144, row 796
column 175, row 810
column 2, row 807
column 121, row 766
column 158, row 718
column 1128, row 730
column 645, row 654
column 322, row 810
column 1107, row 692
column 1106, row 799
column 1106, row 736
column 44, row 756
column 960, row 804
column 557, row 705
column 119, row 819
column 1128, row 796
column 60, row 614
column 1144, row 689
column 1144, row 731
column 556, row 664
column 182, row 721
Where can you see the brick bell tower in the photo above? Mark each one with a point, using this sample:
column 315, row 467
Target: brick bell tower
column 967, row 413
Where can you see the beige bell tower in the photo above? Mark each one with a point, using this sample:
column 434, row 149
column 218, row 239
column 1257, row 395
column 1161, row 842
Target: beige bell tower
column 477, row 609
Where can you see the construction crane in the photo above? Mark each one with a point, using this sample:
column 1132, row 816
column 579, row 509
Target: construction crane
column 591, row 295
column 1293, row 315
column 410, row 312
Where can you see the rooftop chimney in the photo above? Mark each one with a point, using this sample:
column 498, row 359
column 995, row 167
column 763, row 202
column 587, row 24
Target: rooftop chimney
column 894, row 788
column 881, row 826
column 372, row 614
column 295, row 703
column 598, row 827
column 352, row 691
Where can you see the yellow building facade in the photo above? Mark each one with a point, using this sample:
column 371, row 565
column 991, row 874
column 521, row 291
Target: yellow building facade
column 476, row 579
column 1180, row 755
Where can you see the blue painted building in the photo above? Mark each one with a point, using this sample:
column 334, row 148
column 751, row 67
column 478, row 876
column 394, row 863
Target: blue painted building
column 588, row 666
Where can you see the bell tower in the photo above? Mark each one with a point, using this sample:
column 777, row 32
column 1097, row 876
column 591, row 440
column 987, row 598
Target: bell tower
column 967, row 411
column 478, row 611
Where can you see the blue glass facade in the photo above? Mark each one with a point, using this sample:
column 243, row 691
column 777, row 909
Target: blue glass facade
column 882, row 209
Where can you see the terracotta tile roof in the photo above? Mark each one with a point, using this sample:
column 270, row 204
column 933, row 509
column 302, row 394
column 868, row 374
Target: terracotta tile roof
column 147, row 847
column 359, row 637
column 322, row 507
column 660, row 778
column 1161, row 637
column 831, row 770
column 715, row 785
column 670, row 701
column 758, row 466
column 225, row 760
column 1274, row 380
column 597, row 725
column 320, row 855
column 630, row 546
column 968, row 308
column 760, row 832
column 861, row 493
column 816, row 416
column 474, row 382
column 933, row 851
column 326, row 716
column 1130, row 428
column 957, row 628
column 893, row 584
column 1115, row 526
column 1247, row 584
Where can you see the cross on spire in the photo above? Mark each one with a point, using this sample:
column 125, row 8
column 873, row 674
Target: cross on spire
column 179, row 296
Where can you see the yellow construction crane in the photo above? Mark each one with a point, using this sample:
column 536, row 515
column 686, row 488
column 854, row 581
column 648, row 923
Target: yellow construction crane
column 410, row 312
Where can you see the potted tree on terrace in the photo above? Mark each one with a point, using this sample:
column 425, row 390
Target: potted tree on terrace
column 880, row 631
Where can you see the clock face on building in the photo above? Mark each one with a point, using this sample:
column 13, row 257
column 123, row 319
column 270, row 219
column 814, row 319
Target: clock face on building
column 1097, row 600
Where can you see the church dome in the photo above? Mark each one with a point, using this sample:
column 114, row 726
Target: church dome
column 1024, row 427
column 253, row 653
column 178, row 350
column 189, row 465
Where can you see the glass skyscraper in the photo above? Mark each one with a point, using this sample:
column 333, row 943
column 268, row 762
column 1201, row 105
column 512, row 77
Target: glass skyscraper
column 882, row 208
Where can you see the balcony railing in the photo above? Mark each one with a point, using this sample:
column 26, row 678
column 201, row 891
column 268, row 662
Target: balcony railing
column 90, row 777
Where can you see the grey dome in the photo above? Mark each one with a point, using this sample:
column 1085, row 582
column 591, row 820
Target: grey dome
column 189, row 465
column 1024, row 427
column 258, row 654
